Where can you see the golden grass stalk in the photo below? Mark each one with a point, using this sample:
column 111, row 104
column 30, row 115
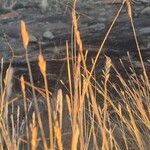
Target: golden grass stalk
column 59, row 106
column 123, row 131
column 95, row 141
column 68, row 101
column 7, row 88
column 100, row 119
column 77, row 83
column 106, row 75
column 90, row 134
column 1, row 77
column 130, row 97
column 24, row 34
column 136, row 96
column 69, row 71
column 23, row 85
column 131, row 102
column 5, row 135
column 25, row 39
column 25, row 107
column 128, row 3
column 75, row 138
column 75, row 27
column 106, row 71
column 8, row 81
column 136, row 132
column 2, row 142
column 99, row 51
column 42, row 66
column 34, row 132
column 37, row 89
column 58, row 135
column 78, row 104
column 17, row 141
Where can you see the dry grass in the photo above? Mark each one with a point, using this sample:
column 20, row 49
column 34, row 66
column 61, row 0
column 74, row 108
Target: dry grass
column 105, row 115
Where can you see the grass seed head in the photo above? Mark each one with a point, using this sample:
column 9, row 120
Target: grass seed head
column 24, row 34
column 42, row 64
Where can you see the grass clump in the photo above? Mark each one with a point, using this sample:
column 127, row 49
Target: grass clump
column 91, row 115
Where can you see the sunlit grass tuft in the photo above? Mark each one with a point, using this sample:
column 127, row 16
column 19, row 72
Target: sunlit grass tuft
column 105, row 114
